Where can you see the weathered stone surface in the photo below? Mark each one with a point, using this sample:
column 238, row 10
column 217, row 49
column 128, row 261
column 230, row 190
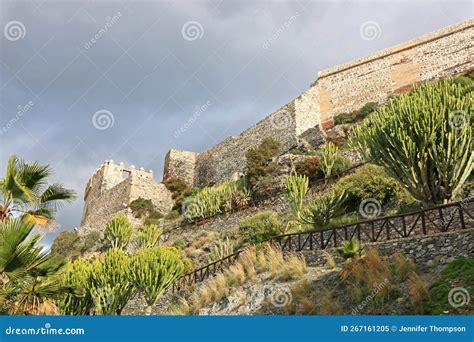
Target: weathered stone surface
column 111, row 189
column 439, row 54
column 180, row 164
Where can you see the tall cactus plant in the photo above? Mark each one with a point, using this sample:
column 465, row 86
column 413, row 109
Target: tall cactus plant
column 118, row 232
column 154, row 270
column 423, row 139
column 329, row 157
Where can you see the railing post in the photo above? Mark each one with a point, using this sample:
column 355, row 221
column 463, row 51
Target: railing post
column 461, row 216
column 372, row 224
column 335, row 237
column 404, row 227
column 322, row 239
column 423, row 222
column 310, row 241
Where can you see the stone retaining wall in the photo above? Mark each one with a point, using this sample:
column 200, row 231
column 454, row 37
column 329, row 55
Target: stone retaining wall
column 427, row 251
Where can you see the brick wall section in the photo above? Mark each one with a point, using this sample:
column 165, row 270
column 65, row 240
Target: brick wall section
column 436, row 55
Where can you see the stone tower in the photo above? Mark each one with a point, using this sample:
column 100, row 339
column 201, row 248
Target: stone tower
column 112, row 187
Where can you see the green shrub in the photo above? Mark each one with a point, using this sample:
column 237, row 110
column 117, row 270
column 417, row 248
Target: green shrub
column 118, row 232
column 67, row 245
column 420, row 139
column 145, row 209
column 459, row 272
column 310, row 167
column 345, row 118
column 262, row 170
column 260, row 226
column 464, row 81
column 172, row 215
column 371, row 182
column 179, row 243
column 367, row 109
column 179, row 191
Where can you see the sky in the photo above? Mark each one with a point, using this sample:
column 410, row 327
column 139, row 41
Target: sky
column 87, row 81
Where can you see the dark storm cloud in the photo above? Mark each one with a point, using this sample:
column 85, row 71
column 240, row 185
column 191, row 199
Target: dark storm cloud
column 134, row 60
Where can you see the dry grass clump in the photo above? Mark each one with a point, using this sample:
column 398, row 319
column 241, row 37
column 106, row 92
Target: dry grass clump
column 370, row 275
column 251, row 262
column 293, row 268
column 402, row 266
column 417, row 290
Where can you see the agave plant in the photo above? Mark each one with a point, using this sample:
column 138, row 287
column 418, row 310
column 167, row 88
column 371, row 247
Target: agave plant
column 324, row 208
column 350, row 249
column 296, row 188
column 423, row 139
column 25, row 192
column 27, row 271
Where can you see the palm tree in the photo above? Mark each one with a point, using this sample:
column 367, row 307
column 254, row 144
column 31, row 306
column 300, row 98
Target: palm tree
column 26, row 193
column 27, row 272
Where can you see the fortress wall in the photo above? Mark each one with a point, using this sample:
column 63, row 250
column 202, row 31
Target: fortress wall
column 113, row 187
column 439, row 54
column 99, row 210
column 180, row 164
column 227, row 159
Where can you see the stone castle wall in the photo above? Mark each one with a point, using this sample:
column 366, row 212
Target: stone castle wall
column 337, row 90
column 111, row 189
column 436, row 55
column 301, row 121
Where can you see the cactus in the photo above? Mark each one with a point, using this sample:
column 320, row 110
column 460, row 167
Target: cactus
column 111, row 285
column 148, row 236
column 102, row 287
column 329, row 157
column 423, row 139
column 77, row 275
column 118, row 232
column 296, row 188
column 153, row 271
